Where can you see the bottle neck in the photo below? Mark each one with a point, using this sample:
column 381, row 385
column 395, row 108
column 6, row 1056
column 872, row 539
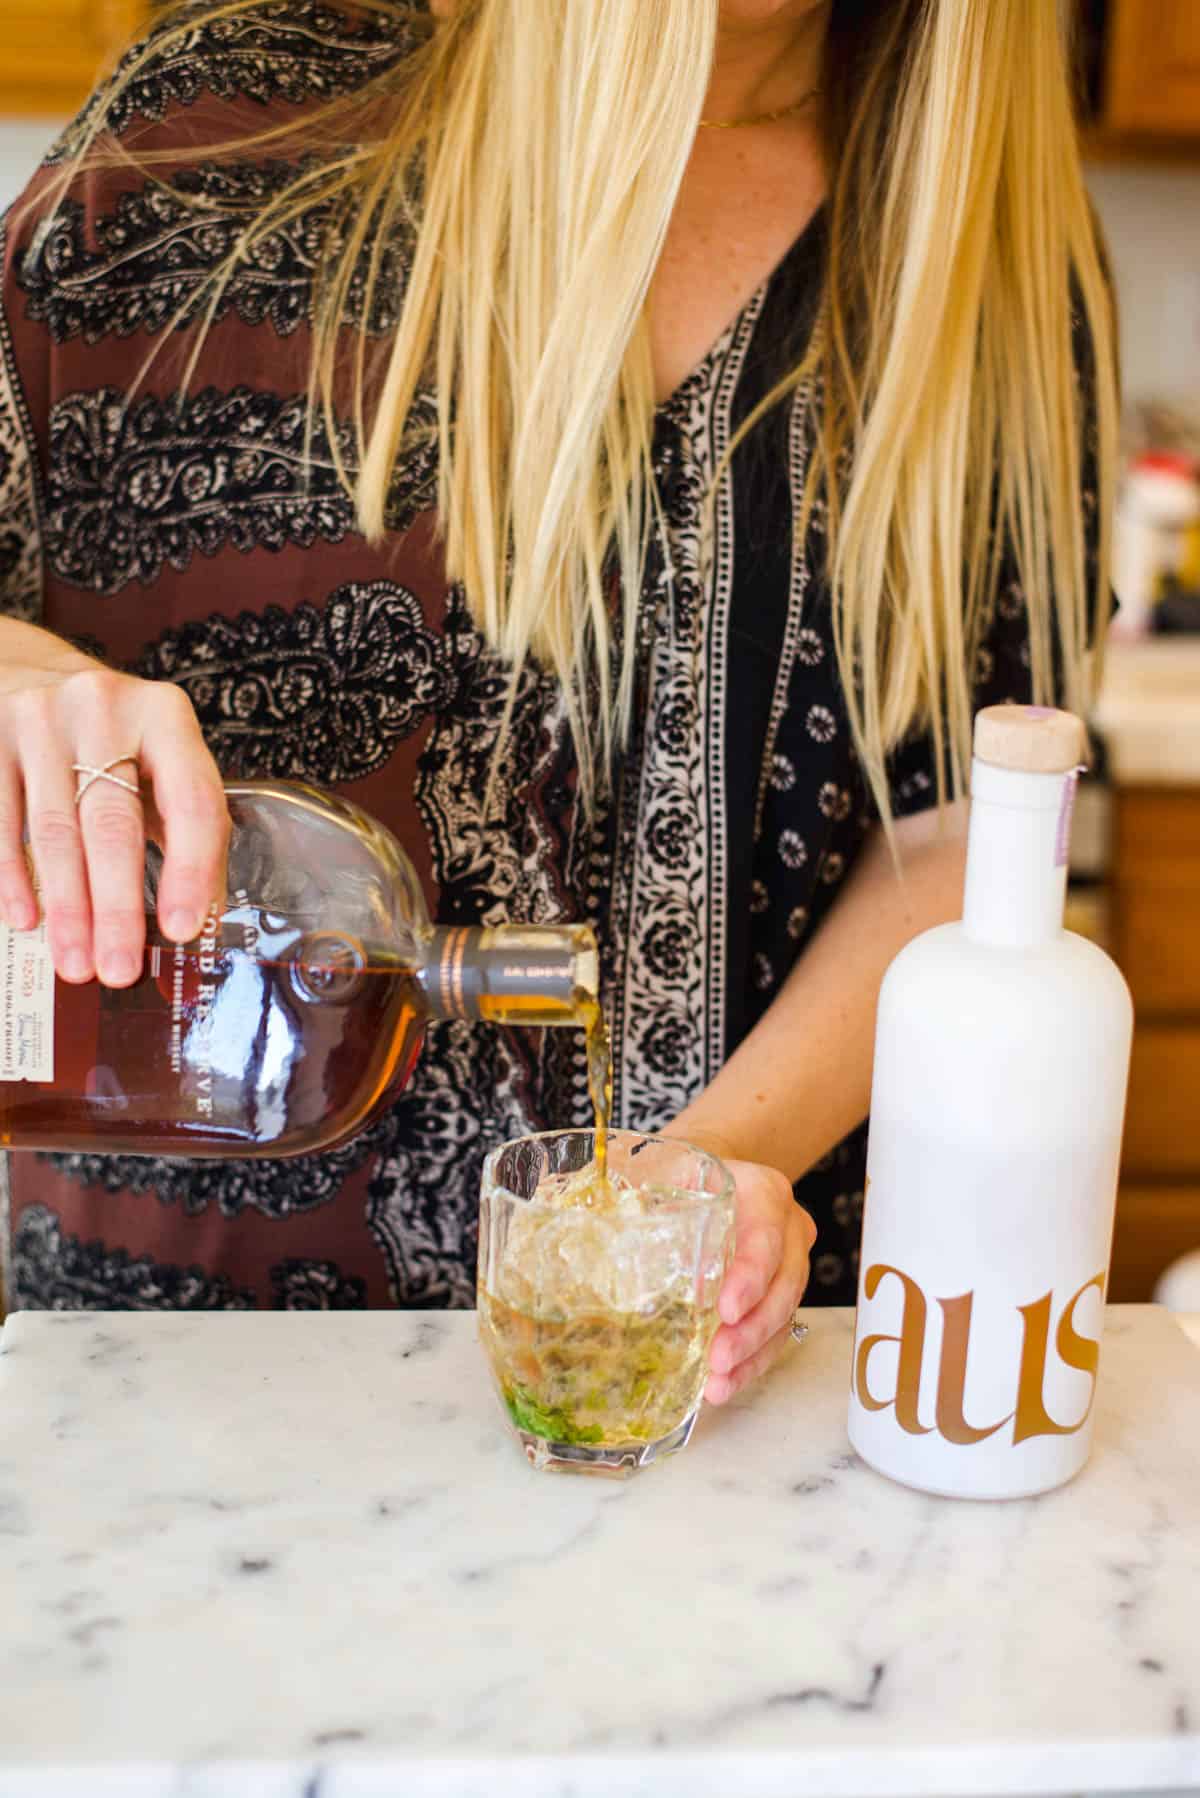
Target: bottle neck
column 512, row 974
column 1017, row 856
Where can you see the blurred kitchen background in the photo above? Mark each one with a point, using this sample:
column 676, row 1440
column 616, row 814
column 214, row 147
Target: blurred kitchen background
column 1137, row 881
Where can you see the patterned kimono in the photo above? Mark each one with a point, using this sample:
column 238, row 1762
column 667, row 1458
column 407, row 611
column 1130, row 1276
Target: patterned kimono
column 173, row 531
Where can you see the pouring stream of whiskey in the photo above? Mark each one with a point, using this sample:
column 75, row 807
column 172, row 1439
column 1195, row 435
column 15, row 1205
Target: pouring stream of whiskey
column 600, row 1083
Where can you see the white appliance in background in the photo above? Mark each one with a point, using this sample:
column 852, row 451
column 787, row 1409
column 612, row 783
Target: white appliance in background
column 1158, row 514
column 1179, row 1287
column 23, row 143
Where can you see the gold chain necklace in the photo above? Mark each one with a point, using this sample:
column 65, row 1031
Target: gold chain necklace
column 762, row 118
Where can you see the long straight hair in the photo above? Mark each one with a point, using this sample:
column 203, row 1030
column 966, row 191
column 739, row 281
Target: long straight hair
column 969, row 363
column 533, row 154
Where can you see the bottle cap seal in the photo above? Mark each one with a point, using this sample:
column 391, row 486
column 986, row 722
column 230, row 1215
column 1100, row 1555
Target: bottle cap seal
column 1030, row 739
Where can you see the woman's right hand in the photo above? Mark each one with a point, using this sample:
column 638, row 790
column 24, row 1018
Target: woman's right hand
column 59, row 707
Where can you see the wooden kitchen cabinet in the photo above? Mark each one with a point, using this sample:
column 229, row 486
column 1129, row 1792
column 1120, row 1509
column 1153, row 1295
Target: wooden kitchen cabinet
column 54, row 51
column 1153, row 73
column 1141, row 70
column 1156, row 1225
column 1162, row 1132
column 1155, row 938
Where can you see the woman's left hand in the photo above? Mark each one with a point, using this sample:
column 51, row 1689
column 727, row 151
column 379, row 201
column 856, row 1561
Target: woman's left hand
column 765, row 1283
column 768, row 1276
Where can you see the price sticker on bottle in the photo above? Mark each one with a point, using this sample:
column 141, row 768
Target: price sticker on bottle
column 26, row 1005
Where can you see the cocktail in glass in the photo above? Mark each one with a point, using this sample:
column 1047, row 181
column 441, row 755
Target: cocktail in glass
column 598, row 1302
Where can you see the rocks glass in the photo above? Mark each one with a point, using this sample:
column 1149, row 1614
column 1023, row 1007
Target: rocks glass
column 597, row 1308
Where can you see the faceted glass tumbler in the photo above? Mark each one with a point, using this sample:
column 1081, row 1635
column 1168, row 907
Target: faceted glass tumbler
column 597, row 1319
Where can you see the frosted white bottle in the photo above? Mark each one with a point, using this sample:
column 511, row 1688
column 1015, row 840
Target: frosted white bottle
column 1001, row 1070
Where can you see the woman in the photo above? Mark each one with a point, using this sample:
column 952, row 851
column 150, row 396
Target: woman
column 739, row 373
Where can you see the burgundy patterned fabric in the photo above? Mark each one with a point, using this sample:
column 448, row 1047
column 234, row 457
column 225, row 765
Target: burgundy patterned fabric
column 174, row 532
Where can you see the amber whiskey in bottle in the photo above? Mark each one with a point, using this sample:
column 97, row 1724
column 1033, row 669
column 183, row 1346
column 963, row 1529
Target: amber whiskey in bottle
column 294, row 1018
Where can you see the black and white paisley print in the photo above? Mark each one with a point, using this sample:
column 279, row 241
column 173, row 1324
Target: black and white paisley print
column 468, row 1093
column 274, row 1189
column 53, row 1271
column 161, row 249
column 289, row 51
column 299, row 1285
column 138, row 485
column 186, row 536
column 21, row 545
column 493, row 850
column 318, row 693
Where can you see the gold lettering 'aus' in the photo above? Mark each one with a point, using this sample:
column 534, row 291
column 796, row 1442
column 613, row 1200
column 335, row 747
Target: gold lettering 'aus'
column 1029, row 1415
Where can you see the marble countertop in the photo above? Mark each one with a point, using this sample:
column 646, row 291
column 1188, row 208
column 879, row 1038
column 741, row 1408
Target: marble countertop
column 298, row 1556
column 1149, row 711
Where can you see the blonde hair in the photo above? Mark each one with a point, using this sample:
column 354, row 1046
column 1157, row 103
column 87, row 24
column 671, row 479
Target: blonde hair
column 535, row 153
column 962, row 239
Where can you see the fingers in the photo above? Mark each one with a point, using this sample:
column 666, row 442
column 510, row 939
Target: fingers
column 767, row 1222
column 765, row 1283
column 98, row 713
column 191, row 808
column 18, row 907
column 115, row 855
column 773, row 1314
column 90, row 858
column 55, row 840
column 759, row 1249
column 721, row 1387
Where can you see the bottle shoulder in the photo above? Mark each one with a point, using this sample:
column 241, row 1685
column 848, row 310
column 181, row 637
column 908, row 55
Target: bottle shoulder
column 1002, row 1045
column 1068, row 968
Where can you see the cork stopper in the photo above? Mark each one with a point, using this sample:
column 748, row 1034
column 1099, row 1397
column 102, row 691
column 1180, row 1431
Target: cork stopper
column 1030, row 739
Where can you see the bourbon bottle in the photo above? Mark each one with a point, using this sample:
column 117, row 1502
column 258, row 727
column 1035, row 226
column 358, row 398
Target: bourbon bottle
column 293, row 1019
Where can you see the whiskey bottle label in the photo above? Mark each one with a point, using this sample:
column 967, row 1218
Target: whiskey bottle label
column 26, row 1005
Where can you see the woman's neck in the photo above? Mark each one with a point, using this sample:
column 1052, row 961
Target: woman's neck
column 765, row 64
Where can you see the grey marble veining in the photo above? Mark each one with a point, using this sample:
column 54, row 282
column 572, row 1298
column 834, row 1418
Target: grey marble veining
column 299, row 1555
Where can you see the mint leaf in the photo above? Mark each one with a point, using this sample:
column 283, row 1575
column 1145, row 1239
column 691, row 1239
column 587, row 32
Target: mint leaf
column 552, row 1425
